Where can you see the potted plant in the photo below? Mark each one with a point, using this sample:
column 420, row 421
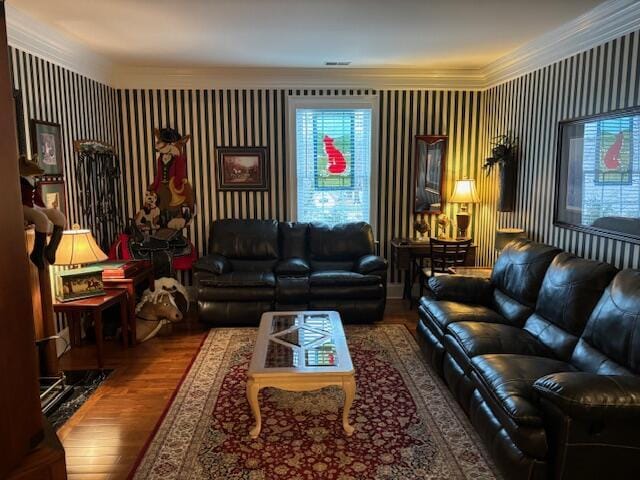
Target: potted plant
column 503, row 154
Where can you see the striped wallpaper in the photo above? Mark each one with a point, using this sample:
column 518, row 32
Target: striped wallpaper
column 83, row 107
column 258, row 118
column 604, row 78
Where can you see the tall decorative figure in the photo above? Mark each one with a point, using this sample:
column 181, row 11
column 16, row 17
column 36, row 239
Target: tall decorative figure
column 173, row 190
column 35, row 212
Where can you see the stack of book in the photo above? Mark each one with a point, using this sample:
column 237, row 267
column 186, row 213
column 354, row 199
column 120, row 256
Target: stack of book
column 123, row 268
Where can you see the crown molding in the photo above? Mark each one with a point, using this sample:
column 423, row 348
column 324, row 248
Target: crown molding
column 32, row 36
column 296, row 78
column 605, row 22
column 602, row 24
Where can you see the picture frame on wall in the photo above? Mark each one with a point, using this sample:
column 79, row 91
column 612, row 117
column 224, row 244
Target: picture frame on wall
column 429, row 168
column 46, row 143
column 53, row 194
column 242, row 169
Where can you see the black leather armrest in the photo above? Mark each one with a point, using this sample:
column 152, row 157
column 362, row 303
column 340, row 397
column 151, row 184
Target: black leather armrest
column 459, row 288
column 369, row 264
column 293, row 266
column 588, row 395
column 213, row 263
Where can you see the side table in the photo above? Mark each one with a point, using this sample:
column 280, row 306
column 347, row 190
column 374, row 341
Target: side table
column 94, row 306
column 129, row 285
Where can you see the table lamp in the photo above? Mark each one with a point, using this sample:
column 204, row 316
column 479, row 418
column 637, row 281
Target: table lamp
column 78, row 247
column 506, row 235
column 464, row 193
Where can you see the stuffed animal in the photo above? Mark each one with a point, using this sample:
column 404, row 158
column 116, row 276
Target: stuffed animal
column 154, row 312
column 147, row 218
column 175, row 195
column 35, row 212
column 174, row 288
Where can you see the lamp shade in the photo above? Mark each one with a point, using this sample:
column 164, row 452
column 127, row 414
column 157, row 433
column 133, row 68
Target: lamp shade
column 506, row 235
column 465, row 191
column 78, row 247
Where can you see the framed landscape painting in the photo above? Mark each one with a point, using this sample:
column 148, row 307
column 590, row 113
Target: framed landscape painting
column 46, row 143
column 242, row 169
column 53, row 195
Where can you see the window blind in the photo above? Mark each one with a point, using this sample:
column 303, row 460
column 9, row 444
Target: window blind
column 333, row 165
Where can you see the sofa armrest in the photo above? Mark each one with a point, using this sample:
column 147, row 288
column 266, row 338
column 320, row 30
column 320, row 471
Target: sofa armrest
column 460, row 288
column 370, row 264
column 213, row 263
column 582, row 395
column 296, row 267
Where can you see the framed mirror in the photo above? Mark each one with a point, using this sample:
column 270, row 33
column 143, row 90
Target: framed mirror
column 598, row 174
column 429, row 168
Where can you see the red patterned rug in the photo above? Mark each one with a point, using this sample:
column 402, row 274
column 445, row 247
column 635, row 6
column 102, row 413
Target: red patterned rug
column 407, row 425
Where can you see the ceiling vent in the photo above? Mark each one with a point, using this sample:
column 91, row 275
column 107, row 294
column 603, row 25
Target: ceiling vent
column 337, row 64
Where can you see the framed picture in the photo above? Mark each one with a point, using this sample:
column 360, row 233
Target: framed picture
column 431, row 154
column 46, row 142
column 242, row 168
column 52, row 194
column 597, row 178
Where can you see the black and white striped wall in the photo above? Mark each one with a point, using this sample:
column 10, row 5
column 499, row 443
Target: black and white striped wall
column 258, row 118
column 601, row 79
column 83, row 107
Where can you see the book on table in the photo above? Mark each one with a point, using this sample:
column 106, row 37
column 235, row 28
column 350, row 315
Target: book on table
column 122, row 268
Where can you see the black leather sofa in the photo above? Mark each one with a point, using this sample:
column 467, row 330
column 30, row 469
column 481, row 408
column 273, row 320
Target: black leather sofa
column 254, row 266
column 545, row 359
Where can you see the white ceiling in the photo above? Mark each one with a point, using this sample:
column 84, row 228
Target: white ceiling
column 304, row 33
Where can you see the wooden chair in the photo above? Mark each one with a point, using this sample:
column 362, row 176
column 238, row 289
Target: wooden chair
column 445, row 256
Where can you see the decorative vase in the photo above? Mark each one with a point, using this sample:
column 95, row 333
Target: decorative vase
column 507, row 175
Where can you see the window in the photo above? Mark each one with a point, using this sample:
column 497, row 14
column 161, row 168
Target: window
column 331, row 160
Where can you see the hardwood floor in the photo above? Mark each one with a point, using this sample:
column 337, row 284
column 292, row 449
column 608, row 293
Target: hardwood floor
column 103, row 439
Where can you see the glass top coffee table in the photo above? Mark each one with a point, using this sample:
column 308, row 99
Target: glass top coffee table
column 300, row 351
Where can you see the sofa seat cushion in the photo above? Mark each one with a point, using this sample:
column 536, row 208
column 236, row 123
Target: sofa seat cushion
column 240, row 279
column 466, row 340
column 342, row 278
column 509, row 380
column 445, row 312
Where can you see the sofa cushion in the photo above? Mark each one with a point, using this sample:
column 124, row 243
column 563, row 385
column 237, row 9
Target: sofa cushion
column 520, row 268
column 443, row 312
column 338, row 278
column 293, row 267
column 293, row 239
column 509, row 379
column 570, row 290
column 240, row 279
column 465, row 340
column 244, row 239
column 346, row 241
column 610, row 343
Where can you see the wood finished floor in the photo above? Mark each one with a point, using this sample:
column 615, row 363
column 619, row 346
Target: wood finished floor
column 103, row 439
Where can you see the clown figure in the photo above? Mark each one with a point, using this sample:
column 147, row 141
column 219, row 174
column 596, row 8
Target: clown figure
column 35, row 212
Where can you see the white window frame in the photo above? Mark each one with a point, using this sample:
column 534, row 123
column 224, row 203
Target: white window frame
column 331, row 102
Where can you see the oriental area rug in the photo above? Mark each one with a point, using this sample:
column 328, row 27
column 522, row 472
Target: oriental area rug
column 407, row 426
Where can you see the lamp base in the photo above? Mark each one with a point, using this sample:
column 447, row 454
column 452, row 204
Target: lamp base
column 462, row 222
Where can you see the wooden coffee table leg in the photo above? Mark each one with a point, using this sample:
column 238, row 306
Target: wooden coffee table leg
column 349, row 387
column 253, row 389
column 97, row 323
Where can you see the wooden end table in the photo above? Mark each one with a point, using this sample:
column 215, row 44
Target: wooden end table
column 299, row 352
column 130, row 285
column 94, row 306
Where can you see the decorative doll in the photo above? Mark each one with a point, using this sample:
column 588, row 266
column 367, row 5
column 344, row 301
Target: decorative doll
column 443, row 223
column 175, row 195
column 147, row 218
column 36, row 213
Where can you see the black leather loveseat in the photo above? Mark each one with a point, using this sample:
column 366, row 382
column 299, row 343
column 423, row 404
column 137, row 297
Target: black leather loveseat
column 254, row 266
column 545, row 359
